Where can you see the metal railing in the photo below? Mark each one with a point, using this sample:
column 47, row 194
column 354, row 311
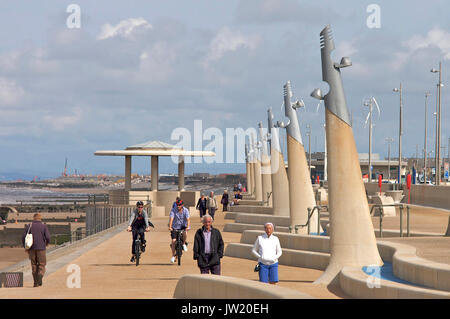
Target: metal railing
column 401, row 207
column 268, row 198
column 310, row 214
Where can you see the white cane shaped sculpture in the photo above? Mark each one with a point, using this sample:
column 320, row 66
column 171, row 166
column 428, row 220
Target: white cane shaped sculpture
column 280, row 183
column 265, row 168
column 256, row 169
column 352, row 238
column 301, row 194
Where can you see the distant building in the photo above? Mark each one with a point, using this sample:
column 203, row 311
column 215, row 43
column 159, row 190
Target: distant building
column 378, row 166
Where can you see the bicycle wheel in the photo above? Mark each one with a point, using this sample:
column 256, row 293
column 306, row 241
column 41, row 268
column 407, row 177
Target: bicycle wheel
column 179, row 249
column 137, row 247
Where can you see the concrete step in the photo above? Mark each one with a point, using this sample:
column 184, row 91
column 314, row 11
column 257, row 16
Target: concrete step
column 251, row 209
column 292, row 241
column 240, row 228
column 289, row 257
column 261, row 219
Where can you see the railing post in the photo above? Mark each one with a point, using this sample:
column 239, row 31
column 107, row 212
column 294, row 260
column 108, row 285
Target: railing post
column 401, row 221
column 381, row 225
column 309, row 216
column 318, row 221
column 407, row 221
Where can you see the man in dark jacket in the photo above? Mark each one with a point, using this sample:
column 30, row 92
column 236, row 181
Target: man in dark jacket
column 208, row 247
column 37, row 252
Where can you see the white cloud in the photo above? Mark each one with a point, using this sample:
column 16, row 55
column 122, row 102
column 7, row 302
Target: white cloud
column 10, row 92
column 226, row 41
column 60, row 122
column 124, row 28
column 156, row 63
column 435, row 38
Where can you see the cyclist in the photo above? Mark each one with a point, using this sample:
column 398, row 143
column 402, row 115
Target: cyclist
column 179, row 220
column 138, row 224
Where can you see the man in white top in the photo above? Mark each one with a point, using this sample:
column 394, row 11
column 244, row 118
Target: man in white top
column 267, row 248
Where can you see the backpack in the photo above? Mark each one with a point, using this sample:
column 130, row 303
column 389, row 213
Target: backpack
column 29, row 239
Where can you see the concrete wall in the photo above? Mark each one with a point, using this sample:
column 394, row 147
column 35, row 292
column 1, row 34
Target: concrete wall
column 430, row 195
column 251, row 209
column 222, row 287
column 13, row 236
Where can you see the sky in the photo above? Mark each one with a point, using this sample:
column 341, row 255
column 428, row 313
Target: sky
column 135, row 71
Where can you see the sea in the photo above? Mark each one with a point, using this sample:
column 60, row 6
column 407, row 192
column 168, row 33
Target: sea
column 14, row 195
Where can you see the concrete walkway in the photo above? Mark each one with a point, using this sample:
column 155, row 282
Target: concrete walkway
column 107, row 273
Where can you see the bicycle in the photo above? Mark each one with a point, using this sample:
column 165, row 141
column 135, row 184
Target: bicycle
column 179, row 245
column 137, row 251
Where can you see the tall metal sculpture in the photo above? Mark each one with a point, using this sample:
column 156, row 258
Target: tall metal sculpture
column 301, row 194
column 265, row 168
column 256, row 169
column 248, row 169
column 280, row 183
column 352, row 238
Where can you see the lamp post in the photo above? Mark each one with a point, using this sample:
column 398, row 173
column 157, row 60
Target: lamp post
column 309, row 146
column 389, row 140
column 427, row 94
column 438, row 124
column 400, row 133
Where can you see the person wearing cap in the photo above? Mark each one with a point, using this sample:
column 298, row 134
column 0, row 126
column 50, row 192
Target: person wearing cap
column 138, row 224
column 179, row 220
column 268, row 249
column 37, row 252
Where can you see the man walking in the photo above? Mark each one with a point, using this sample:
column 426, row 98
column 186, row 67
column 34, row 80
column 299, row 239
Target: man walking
column 208, row 247
column 37, row 252
column 211, row 205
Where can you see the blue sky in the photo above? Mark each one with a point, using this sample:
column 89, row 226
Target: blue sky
column 136, row 70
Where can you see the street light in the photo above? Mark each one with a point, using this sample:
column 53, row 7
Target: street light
column 400, row 132
column 389, row 140
column 438, row 124
column 309, row 146
column 427, row 94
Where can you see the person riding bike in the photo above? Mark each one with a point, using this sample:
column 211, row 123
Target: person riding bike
column 179, row 220
column 138, row 224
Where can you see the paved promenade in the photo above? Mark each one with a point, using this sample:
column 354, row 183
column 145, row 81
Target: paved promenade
column 107, row 273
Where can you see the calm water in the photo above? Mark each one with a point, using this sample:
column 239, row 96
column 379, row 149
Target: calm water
column 10, row 195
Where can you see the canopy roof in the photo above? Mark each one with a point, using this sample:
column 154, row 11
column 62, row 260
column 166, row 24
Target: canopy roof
column 153, row 148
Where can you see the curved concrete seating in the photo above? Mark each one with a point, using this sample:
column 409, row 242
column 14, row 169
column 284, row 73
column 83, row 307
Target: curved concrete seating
column 408, row 266
column 433, row 279
column 251, row 202
column 354, row 282
column 383, row 200
column 223, row 287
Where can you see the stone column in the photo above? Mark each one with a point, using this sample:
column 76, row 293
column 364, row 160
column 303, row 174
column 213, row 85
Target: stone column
column 127, row 172
column 181, row 173
column 155, row 172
